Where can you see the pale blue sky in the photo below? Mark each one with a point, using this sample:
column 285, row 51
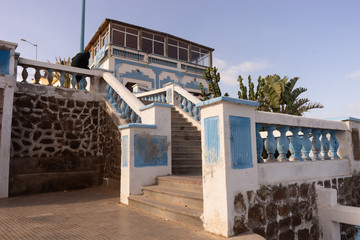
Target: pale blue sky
column 318, row 41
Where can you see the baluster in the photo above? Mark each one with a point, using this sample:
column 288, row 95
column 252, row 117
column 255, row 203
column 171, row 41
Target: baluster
column 24, row 74
column 357, row 236
column 62, row 78
column 119, row 101
column 37, row 76
column 115, row 97
column 133, row 116
column 196, row 113
column 163, row 98
column 73, row 80
column 123, row 109
column 259, row 143
column 282, row 143
column 168, row 95
column 83, row 83
column 50, row 77
column 185, row 105
column 190, row 107
column 270, row 143
column 316, row 145
column 334, row 145
column 306, row 144
column 325, row 145
column 111, row 95
column 128, row 111
column 107, row 92
column 295, row 145
column 138, row 119
column 180, row 101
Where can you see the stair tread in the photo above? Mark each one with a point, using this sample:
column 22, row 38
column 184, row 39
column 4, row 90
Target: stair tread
column 179, row 209
column 174, row 192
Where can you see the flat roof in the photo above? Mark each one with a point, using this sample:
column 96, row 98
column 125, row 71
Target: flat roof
column 108, row 21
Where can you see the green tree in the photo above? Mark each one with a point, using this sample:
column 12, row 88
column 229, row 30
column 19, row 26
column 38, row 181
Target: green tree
column 276, row 94
column 212, row 76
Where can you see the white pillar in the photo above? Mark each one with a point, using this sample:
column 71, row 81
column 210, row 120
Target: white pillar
column 228, row 158
column 7, row 84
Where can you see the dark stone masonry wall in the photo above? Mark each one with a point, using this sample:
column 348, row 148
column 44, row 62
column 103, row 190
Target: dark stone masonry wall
column 287, row 212
column 61, row 135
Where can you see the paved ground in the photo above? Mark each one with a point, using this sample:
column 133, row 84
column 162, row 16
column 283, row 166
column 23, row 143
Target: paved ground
column 84, row 214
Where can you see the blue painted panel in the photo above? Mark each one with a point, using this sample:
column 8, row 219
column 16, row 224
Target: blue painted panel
column 4, row 61
column 240, row 140
column 212, row 144
column 150, row 151
column 137, row 75
column 125, row 150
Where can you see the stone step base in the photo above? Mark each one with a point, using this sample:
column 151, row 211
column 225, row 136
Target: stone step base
column 33, row 183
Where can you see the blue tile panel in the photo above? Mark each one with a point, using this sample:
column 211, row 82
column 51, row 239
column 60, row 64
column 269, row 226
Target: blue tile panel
column 150, row 151
column 212, row 143
column 240, row 140
column 4, row 61
column 125, row 150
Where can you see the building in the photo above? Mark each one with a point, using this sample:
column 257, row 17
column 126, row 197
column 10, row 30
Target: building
column 143, row 59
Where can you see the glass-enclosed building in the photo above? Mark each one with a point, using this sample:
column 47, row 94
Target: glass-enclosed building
column 146, row 59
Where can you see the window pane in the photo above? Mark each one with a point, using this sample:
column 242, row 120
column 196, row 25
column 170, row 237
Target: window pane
column 159, row 38
column 172, row 52
column 184, row 45
column 105, row 39
column 147, row 35
column 204, row 60
column 146, row 45
column 118, row 38
column 183, row 54
column 173, row 42
column 159, row 48
column 131, row 41
column 204, row 51
column 133, row 31
column 194, row 58
column 119, row 27
column 195, row 49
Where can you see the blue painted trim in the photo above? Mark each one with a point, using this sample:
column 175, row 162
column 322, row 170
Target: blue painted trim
column 150, row 151
column 4, row 61
column 352, row 119
column 155, row 104
column 240, row 141
column 137, row 125
column 212, row 144
column 125, row 149
column 230, row 100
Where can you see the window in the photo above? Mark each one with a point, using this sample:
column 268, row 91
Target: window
column 96, row 49
column 105, row 39
column 177, row 50
column 125, row 37
column 152, row 43
column 199, row 56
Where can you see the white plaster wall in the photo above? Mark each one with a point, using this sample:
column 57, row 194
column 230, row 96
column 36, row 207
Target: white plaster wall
column 172, row 76
column 284, row 172
column 124, row 67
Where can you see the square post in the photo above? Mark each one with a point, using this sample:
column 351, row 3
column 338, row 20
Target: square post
column 228, row 158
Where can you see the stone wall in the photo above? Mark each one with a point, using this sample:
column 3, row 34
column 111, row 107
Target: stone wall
column 61, row 131
column 289, row 211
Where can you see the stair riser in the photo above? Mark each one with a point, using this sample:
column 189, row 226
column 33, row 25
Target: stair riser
column 183, row 201
column 185, row 154
column 185, row 133
column 195, row 163
column 191, row 138
column 196, row 143
column 180, row 128
column 190, row 221
column 180, row 185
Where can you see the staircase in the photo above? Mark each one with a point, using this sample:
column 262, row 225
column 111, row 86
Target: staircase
column 186, row 146
column 176, row 198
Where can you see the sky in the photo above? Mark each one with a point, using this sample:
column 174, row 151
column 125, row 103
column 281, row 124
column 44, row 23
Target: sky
column 317, row 41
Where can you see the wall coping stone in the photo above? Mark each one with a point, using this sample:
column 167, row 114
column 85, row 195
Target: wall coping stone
column 229, row 100
column 155, row 104
column 137, row 125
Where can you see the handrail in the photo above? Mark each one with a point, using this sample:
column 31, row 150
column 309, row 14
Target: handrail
column 186, row 94
column 131, row 100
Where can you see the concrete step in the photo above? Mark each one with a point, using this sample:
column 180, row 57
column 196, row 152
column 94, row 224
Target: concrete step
column 196, row 143
column 51, row 182
column 173, row 212
column 180, row 128
column 181, row 124
column 186, row 133
column 175, row 196
column 186, row 155
column 185, row 148
column 192, row 183
column 184, row 161
column 185, row 138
